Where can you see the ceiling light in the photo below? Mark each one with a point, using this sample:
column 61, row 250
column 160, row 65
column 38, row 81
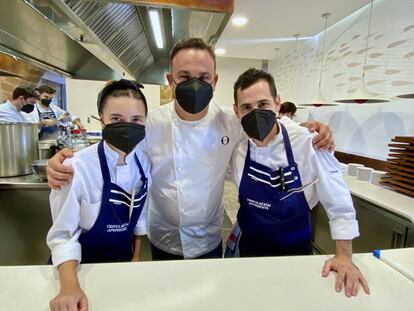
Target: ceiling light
column 318, row 100
column 362, row 95
column 156, row 27
column 220, row 51
column 239, row 21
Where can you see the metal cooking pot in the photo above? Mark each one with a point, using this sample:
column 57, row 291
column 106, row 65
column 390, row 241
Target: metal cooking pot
column 18, row 143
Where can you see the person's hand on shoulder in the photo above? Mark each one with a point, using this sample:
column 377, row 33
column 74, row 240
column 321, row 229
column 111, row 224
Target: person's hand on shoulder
column 58, row 174
column 324, row 139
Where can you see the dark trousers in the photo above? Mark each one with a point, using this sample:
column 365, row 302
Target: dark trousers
column 250, row 247
column 159, row 254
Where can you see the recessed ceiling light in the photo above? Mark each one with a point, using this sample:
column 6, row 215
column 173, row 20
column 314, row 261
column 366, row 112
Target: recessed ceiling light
column 220, row 51
column 239, row 21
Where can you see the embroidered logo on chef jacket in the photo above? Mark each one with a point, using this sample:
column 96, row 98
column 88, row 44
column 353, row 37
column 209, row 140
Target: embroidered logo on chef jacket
column 225, row 140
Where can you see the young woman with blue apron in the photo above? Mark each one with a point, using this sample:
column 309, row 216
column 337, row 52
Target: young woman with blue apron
column 111, row 237
column 274, row 216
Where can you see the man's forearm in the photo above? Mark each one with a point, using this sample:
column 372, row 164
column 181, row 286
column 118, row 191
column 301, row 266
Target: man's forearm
column 344, row 248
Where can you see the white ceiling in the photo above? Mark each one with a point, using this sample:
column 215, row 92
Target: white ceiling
column 270, row 20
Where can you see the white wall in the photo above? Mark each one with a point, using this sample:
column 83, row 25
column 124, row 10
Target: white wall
column 82, row 96
column 228, row 70
column 358, row 129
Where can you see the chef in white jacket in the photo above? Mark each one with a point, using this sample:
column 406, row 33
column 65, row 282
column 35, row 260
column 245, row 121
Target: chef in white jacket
column 196, row 138
column 280, row 177
column 18, row 108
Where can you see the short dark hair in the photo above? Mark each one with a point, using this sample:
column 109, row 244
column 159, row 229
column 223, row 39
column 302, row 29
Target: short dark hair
column 45, row 89
column 287, row 107
column 193, row 43
column 26, row 92
column 121, row 88
column 252, row 76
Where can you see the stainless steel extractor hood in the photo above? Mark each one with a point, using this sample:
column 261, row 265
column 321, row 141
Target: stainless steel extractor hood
column 119, row 34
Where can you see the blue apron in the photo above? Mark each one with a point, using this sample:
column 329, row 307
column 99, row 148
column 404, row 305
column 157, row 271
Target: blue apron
column 274, row 216
column 111, row 237
column 47, row 132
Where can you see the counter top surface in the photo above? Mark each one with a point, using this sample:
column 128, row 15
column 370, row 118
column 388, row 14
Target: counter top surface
column 402, row 259
column 389, row 200
column 272, row 283
column 23, row 182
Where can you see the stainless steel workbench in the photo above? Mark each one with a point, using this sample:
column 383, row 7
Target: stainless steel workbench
column 24, row 220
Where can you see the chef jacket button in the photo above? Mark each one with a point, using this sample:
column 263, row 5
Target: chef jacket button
column 292, row 168
column 295, row 178
column 181, row 190
column 179, row 168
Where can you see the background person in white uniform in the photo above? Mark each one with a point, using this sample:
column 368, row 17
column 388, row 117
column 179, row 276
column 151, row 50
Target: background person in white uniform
column 256, row 102
column 196, row 138
column 101, row 215
column 16, row 110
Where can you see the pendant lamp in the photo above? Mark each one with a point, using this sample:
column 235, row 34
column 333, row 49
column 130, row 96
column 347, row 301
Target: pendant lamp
column 362, row 95
column 406, row 96
column 318, row 100
column 290, row 98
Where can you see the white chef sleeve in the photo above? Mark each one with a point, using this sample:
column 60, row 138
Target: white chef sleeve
column 335, row 197
column 63, row 236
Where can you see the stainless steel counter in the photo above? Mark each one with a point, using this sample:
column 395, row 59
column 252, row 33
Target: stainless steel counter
column 23, row 182
column 24, row 219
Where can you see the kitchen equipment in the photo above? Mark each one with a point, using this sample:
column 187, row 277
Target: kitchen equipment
column 39, row 168
column 47, row 148
column 344, row 168
column 18, row 143
column 352, row 168
column 364, row 173
column 376, row 177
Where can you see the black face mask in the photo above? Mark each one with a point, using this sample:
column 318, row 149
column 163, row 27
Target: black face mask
column 28, row 108
column 193, row 95
column 123, row 135
column 45, row 101
column 258, row 123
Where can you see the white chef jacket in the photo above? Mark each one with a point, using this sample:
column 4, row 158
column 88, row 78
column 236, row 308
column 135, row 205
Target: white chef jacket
column 34, row 115
column 189, row 164
column 75, row 207
column 9, row 113
column 330, row 188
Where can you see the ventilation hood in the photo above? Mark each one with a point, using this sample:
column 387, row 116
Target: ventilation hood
column 107, row 39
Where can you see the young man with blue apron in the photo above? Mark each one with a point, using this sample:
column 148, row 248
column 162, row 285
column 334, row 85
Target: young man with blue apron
column 47, row 132
column 274, row 219
column 280, row 176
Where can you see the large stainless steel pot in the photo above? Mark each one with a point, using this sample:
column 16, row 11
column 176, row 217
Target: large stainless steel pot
column 18, row 143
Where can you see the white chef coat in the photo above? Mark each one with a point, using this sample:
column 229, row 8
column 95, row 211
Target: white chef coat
column 34, row 115
column 75, row 207
column 330, row 189
column 9, row 113
column 189, row 164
